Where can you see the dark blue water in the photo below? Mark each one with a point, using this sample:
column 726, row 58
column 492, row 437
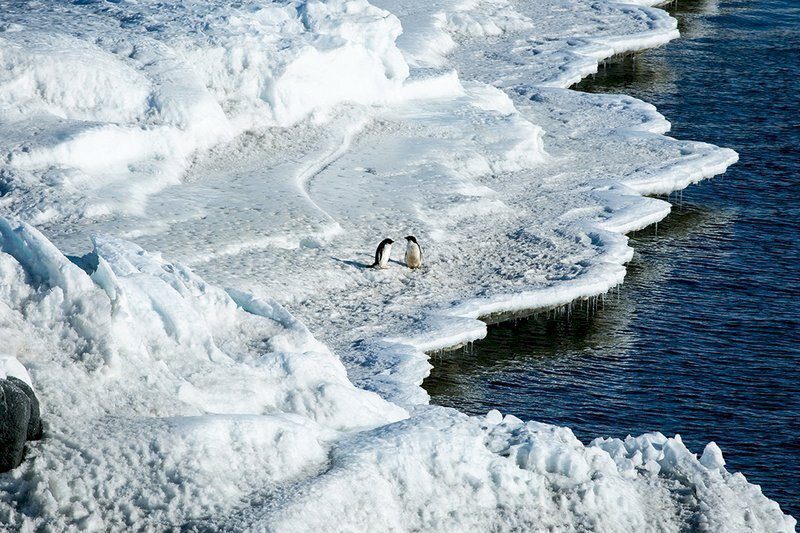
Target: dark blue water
column 704, row 339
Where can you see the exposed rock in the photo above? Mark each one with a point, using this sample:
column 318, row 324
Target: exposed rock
column 35, row 421
column 15, row 414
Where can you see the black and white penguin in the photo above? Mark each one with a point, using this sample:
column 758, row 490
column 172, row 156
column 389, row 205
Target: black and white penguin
column 413, row 252
column 382, row 254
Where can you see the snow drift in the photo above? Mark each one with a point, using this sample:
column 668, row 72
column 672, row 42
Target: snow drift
column 141, row 365
column 111, row 101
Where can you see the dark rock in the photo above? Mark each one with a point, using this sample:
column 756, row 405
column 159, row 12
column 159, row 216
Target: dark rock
column 35, row 421
column 15, row 413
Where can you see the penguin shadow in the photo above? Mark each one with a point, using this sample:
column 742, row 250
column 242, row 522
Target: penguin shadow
column 349, row 262
column 363, row 266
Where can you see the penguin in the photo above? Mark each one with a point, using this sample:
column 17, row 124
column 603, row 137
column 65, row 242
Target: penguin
column 382, row 254
column 413, row 252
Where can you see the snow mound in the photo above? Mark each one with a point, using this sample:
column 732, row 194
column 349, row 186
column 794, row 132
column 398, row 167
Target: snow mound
column 140, row 364
column 118, row 116
column 484, row 18
column 49, row 74
column 128, row 316
column 157, row 473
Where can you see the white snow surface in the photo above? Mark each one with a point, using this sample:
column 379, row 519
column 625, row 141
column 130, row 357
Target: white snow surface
column 258, row 376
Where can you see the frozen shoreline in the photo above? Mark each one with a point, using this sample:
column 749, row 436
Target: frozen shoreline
column 497, row 312
column 662, row 181
column 170, row 401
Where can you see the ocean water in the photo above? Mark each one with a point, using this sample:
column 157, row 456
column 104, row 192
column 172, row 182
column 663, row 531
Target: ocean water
column 703, row 339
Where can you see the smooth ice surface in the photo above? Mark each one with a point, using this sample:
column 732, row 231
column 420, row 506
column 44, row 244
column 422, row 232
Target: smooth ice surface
column 258, row 373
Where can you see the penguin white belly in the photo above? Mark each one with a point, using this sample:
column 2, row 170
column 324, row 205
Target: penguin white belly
column 384, row 256
column 413, row 255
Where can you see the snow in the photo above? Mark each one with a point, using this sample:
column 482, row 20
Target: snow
column 257, row 375
column 11, row 367
column 444, row 471
column 171, row 83
column 137, row 361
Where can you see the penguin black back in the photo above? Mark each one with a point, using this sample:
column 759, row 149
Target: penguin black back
column 381, row 247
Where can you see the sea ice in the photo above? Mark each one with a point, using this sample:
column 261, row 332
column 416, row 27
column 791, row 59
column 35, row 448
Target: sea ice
column 257, row 375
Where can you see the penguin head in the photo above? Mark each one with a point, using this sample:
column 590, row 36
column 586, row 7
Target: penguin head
column 411, row 238
column 387, row 241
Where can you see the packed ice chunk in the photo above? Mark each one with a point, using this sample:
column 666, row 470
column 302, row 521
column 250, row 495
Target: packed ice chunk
column 712, row 456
